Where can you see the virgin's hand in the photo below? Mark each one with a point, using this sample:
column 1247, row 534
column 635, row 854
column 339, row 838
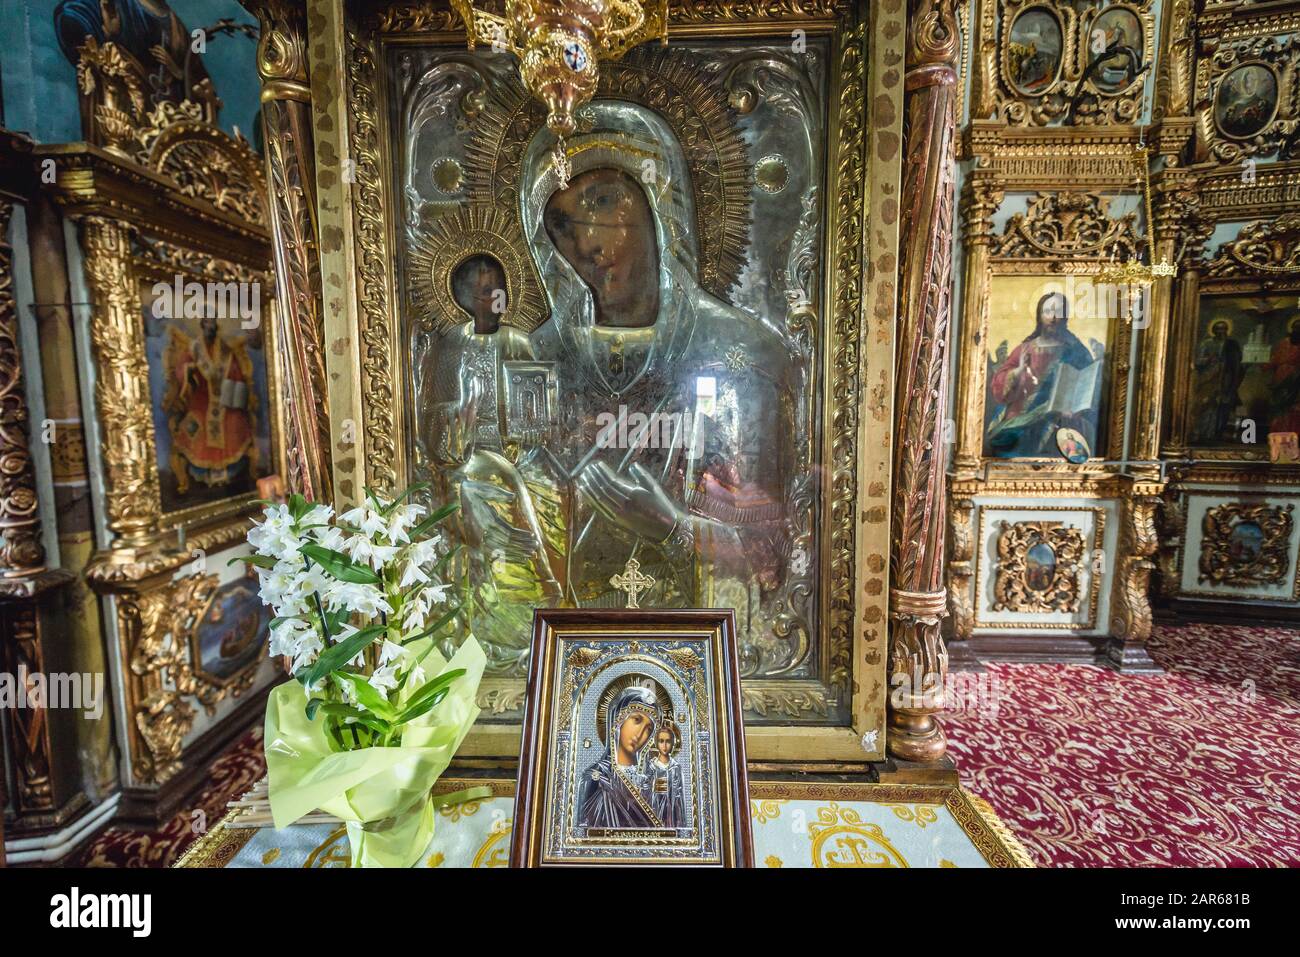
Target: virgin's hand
column 490, row 533
column 633, row 501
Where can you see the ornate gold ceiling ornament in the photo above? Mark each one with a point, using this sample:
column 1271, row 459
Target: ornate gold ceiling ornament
column 699, row 112
column 560, row 44
column 473, row 230
column 111, row 83
column 204, row 160
column 1039, row 566
column 1245, row 544
column 1068, row 225
column 1270, row 247
column 181, row 139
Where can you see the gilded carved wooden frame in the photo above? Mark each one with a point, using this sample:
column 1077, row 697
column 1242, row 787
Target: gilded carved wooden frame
column 1088, row 549
column 994, row 91
column 363, row 331
column 159, row 193
column 1262, row 259
column 1083, row 237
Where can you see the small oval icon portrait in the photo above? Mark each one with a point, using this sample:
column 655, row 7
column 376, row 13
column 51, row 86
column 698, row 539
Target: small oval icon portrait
column 1040, row 567
column 1073, row 446
column 1115, row 44
column 1034, row 50
column 1246, row 101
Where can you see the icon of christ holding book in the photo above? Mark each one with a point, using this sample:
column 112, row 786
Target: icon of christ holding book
column 1050, row 381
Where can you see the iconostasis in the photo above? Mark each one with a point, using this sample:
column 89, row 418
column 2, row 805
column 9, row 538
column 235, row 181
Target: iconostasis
column 160, row 380
column 1229, row 535
column 1104, row 429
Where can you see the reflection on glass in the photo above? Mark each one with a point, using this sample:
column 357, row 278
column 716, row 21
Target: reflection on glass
column 646, row 418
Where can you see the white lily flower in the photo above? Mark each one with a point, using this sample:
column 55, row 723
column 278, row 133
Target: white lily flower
column 384, row 680
column 366, row 600
column 381, row 555
column 331, row 537
column 365, row 518
column 402, row 520
column 435, row 593
column 413, row 574
column 389, row 652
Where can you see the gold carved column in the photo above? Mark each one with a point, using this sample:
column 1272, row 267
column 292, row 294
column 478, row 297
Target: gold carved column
column 918, row 661
column 291, row 177
column 45, row 794
column 981, row 198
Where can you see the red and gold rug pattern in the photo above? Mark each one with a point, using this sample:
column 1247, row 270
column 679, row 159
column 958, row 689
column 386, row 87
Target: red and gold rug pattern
column 1196, row 767
column 1089, row 768
column 233, row 773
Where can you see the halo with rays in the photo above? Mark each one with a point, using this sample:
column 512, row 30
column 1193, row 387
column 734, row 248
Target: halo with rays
column 698, row 110
column 473, row 230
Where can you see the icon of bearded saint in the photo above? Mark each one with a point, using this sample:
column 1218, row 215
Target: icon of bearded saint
column 211, row 406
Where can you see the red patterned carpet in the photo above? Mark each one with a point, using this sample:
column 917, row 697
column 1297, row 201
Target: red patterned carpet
column 1197, row 767
column 230, row 776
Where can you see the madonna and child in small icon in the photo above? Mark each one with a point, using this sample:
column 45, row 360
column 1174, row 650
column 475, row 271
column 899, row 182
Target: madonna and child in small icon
column 638, row 783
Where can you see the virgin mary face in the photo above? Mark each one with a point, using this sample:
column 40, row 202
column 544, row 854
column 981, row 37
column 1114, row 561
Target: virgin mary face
column 602, row 224
column 634, row 733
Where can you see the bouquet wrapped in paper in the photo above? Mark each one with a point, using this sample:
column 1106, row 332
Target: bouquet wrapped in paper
column 376, row 713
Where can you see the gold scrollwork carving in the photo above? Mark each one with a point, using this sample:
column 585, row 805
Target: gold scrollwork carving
column 132, row 495
column 180, row 140
column 1039, row 567
column 1028, row 86
column 21, row 552
column 1273, row 61
column 1067, row 225
column 159, row 630
column 375, row 308
column 1262, row 249
column 1246, row 544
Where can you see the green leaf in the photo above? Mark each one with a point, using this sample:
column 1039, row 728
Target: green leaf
column 369, row 697
column 336, row 656
column 410, row 714
column 427, row 525
column 415, row 487
column 261, row 561
column 339, row 565
column 298, row 506
column 441, row 563
column 430, row 690
column 338, row 710
column 435, row 626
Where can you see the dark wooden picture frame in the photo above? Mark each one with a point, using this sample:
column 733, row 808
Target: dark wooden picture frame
column 572, row 810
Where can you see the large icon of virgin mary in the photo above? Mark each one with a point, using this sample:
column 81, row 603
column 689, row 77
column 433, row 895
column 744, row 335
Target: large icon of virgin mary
column 670, row 436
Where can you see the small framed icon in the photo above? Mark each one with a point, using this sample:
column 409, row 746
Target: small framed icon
column 633, row 747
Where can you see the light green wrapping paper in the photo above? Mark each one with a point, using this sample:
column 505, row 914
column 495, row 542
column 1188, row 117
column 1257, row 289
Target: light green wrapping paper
column 385, row 788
